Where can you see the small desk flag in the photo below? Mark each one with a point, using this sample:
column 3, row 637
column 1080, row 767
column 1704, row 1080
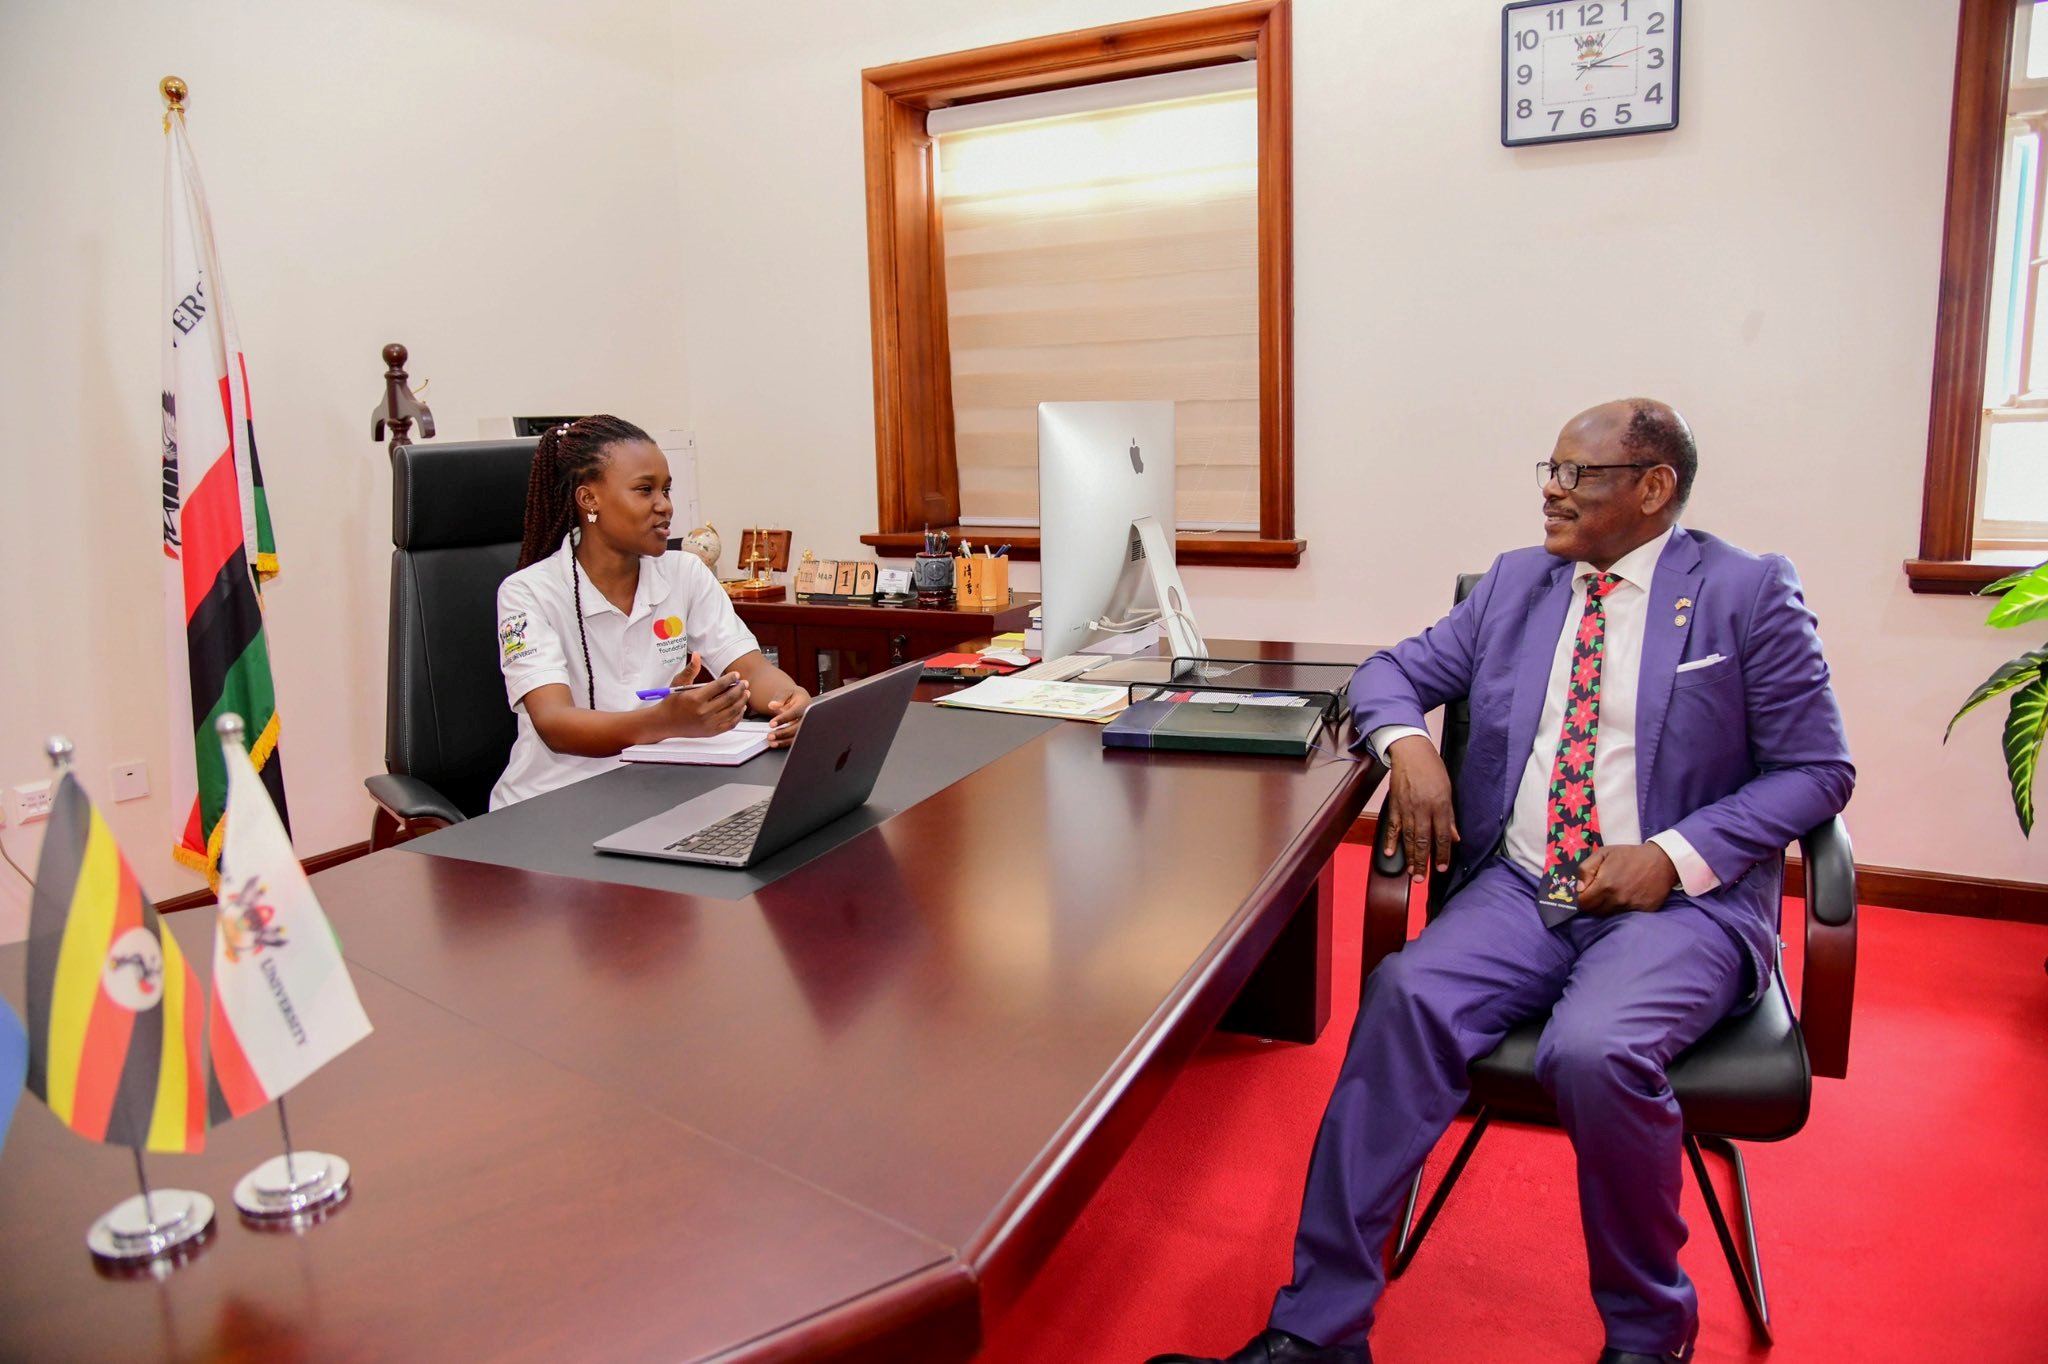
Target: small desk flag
column 13, row 1065
column 283, row 1003
column 113, row 1006
column 217, row 536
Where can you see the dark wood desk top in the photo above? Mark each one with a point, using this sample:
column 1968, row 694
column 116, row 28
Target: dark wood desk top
column 504, row 1207
column 858, row 1106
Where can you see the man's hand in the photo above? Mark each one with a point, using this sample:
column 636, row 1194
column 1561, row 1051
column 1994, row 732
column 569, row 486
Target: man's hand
column 1628, row 876
column 1418, row 812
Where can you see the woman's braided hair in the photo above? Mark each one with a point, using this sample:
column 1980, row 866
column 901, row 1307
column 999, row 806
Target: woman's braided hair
column 567, row 457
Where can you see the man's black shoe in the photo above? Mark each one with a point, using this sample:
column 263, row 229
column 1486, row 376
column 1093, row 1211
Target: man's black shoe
column 1274, row 1346
column 1610, row 1355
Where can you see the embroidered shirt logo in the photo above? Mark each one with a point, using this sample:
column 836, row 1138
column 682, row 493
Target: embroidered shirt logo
column 512, row 634
column 668, row 627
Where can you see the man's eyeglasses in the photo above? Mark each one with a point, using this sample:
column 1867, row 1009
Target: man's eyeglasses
column 1567, row 473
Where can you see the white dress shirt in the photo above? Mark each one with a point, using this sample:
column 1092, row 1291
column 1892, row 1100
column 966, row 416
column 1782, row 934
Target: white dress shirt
column 1614, row 752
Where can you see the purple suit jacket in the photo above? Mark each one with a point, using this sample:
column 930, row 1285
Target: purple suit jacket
column 1741, row 756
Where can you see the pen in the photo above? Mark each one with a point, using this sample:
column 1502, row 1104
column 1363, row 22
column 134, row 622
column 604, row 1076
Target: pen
column 658, row 693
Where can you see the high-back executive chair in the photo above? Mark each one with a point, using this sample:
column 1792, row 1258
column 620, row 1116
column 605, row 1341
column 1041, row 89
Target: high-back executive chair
column 457, row 512
column 1749, row 1079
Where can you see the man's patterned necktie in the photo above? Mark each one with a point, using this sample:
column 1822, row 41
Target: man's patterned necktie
column 1574, row 826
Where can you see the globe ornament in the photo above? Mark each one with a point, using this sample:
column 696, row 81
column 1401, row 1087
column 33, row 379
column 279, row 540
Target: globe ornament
column 704, row 543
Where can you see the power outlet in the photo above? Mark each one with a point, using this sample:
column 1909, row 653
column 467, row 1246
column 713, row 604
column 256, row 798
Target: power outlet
column 30, row 803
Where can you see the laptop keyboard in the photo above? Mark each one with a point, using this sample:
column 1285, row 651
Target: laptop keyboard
column 729, row 837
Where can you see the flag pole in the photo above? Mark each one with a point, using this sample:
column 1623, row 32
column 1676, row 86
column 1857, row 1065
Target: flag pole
column 174, row 91
column 275, row 1192
column 142, row 1178
column 284, row 1126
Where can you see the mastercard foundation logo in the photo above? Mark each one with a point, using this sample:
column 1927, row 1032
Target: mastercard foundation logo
column 668, row 627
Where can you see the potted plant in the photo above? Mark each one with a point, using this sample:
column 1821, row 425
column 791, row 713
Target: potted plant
column 2022, row 597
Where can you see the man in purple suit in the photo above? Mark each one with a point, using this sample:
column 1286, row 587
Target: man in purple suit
column 1651, row 725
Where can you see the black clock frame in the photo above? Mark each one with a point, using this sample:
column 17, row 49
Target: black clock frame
column 1507, row 65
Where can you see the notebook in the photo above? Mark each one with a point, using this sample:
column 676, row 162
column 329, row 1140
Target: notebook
column 1030, row 696
column 729, row 749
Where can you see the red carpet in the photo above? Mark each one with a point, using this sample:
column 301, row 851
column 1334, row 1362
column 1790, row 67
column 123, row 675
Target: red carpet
column 1909, row 1221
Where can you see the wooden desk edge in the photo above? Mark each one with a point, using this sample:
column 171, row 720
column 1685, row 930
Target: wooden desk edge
column 1022, row 1231
column 930, row 1315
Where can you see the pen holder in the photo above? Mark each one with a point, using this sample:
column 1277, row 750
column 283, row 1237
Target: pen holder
column 967, row 582
column 931, row 577
column 992, row 580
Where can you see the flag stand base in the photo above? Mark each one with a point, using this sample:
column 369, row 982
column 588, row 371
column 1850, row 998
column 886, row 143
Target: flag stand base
column 127, row 1235
column 271, row 1191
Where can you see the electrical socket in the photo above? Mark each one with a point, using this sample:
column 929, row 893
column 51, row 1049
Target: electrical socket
column 30, row 803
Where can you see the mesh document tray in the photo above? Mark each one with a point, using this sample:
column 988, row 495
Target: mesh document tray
column 1323, row 684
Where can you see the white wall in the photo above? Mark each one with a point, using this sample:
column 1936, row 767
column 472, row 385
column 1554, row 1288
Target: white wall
column 1771, row 267
column 490, row 181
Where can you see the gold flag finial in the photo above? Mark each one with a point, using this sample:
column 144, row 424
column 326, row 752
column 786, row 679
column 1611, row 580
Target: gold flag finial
column 174, row 90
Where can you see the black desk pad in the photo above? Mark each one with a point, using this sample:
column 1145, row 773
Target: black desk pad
column 553, row 833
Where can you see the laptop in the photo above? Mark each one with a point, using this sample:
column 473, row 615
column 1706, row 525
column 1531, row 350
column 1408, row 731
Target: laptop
column 831, row 769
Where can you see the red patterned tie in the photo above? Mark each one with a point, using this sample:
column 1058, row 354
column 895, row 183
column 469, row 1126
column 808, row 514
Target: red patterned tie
column 1574, row 817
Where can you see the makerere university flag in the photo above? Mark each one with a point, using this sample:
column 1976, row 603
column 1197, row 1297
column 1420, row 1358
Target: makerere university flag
column 217, row 540
column 113, row 1006
column 283, row 1003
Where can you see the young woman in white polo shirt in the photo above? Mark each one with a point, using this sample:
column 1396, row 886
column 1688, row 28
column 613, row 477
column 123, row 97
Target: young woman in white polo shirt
column 600, row 610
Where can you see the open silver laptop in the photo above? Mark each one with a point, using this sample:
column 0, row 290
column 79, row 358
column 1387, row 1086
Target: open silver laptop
column 831, row 769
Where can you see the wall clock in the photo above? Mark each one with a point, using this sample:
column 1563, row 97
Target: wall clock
column 1591, row 68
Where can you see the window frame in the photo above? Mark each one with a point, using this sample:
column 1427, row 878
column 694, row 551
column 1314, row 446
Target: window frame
column 1977, row 141
column 916, row 474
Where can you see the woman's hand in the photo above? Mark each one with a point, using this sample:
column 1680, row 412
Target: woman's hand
column 785, row 713
column 709, row 708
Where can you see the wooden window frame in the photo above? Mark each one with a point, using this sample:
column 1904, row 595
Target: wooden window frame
column 916, row 474
column 1976, row 149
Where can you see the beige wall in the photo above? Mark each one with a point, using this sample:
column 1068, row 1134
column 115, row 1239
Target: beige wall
column 659, row 209
column 1770, row 266
column 491, row 182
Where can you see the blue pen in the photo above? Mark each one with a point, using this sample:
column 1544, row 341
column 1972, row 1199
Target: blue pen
column 660, row 693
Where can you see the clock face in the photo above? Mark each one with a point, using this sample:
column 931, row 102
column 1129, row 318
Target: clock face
column 1597, row 68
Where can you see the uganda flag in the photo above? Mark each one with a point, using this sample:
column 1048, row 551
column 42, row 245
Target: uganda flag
column 217, row 539
column 113, row 1007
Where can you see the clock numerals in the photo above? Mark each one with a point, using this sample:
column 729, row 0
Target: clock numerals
column 1656, row 24
column 1621, row 113
column 1655, row 94
column 1527, row 39
column 1591, row 14
column 1656, row 59
column 1524, row 74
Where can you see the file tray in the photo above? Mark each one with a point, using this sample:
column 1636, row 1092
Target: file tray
column 1323, row 684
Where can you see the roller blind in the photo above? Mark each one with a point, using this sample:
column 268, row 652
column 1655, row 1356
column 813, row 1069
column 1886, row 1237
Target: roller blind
column 1106, row 255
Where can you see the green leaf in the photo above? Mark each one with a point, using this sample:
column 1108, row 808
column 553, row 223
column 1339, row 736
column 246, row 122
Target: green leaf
column 2025, row 598
column 1994, row 589
column 2016, row 673
column 2025, row 726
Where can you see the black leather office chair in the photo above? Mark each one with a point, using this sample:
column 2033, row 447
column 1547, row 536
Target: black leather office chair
column 457, row 512
column 1749, row 1079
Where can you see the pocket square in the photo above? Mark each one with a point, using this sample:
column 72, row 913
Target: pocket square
column 1709, row 661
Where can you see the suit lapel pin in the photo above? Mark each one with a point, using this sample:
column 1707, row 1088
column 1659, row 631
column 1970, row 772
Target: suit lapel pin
column 1678, row 619
column 1682, row 603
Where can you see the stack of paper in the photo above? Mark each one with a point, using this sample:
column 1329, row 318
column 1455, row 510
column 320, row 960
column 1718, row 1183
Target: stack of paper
column 1058, row 700
column 729, row 749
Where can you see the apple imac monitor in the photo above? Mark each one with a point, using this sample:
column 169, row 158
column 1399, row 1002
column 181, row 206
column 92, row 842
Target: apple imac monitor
column 1105, row 469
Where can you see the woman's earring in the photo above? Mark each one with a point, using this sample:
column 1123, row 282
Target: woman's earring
column 591, row 517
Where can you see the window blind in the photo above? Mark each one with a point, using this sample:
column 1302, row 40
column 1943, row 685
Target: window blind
column 1106, row 255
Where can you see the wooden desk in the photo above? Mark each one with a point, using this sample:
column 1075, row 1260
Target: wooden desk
column 823, row 647
column 845, row 1118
